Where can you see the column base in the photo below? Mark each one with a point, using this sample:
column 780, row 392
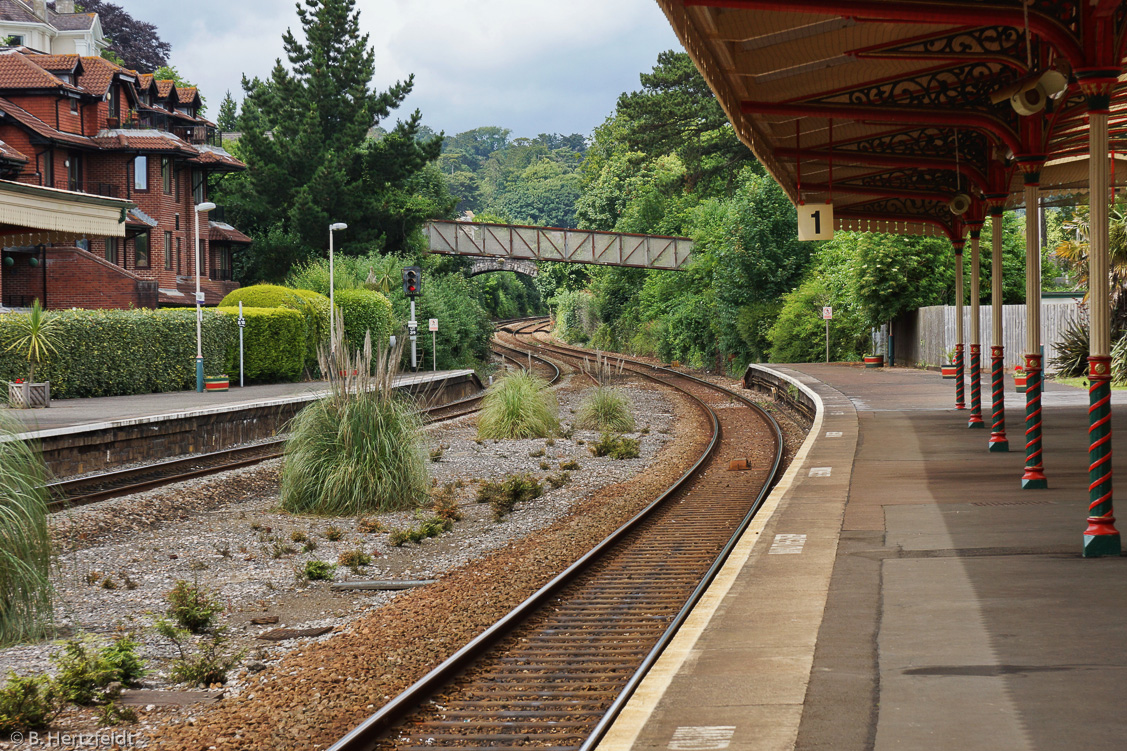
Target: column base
column 1034, row 479
column 975, row 421
column 1000, row 444
column 1097, row 546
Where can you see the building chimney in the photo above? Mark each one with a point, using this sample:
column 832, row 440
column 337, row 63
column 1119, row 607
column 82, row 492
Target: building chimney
column 64, row 6
column 39, row 7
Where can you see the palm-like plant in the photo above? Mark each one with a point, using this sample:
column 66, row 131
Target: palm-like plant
column 34, row 337
column 1075, row 252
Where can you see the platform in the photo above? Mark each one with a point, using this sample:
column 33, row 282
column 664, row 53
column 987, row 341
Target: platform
column 83, row 435
column 901, row 591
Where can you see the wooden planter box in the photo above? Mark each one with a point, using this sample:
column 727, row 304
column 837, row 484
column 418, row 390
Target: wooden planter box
column 216, row 383
column 949, row 371
column 29, row 395
column 1019, row 381
column 874, row 361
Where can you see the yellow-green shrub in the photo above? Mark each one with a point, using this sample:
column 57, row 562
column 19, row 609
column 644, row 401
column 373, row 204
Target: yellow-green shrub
column 363, row 311
column 274, row 344
column 313, row 307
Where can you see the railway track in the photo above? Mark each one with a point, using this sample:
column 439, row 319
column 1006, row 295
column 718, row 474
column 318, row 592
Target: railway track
column 555, row 671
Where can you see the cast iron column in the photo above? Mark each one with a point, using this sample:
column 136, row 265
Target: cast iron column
column 975, row 420
column 998, row 440
column 960, row 396
column 1034, row 476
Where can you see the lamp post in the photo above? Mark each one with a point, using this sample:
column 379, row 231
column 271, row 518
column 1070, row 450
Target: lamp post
column 332, row 297
column 200, row 208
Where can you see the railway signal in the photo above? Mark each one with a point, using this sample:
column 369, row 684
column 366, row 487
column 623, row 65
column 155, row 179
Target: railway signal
column 411, row 280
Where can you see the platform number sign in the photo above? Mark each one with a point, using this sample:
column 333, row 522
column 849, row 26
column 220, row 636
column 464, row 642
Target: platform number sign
column 816, row 221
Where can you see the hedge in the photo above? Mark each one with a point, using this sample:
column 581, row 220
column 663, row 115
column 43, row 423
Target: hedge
column 274, row 344
column 314, row 308
column 364, row 311
column 116, row 352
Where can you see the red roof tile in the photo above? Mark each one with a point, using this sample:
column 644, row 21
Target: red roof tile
column 224, row 233
column 18, row 72
column 56, row 62
column 7, row 152
column 99, row 74
column 144, row 140
column 165, row 87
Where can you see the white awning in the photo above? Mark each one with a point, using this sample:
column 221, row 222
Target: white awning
column 52, row 215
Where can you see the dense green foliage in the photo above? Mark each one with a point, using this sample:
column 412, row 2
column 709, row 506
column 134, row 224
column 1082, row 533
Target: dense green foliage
column 314, row 309
column 274, row 344
column 28, row 703
column 364, row 312
column 520, row 405
column 606, row 409
column 25, row 543
column 114, row 352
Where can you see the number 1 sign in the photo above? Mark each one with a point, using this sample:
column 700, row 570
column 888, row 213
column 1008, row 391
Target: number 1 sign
column 816, row 221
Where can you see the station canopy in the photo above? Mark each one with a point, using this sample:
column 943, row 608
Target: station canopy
column 890, row 109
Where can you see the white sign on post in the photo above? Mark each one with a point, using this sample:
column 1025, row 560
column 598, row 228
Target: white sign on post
column 827, row 312
column 433, row 324
column 816, row 221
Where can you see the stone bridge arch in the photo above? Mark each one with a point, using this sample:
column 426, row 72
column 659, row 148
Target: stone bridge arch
column 517, row 265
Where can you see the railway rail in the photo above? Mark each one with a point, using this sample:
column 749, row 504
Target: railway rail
column 555, row 671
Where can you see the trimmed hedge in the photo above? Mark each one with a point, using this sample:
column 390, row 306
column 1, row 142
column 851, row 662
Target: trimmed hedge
column 313, row 307
column 274, row 344
column 116, row 352
column 363, row 311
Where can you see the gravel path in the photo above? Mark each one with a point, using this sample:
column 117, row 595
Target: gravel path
column 120, row 557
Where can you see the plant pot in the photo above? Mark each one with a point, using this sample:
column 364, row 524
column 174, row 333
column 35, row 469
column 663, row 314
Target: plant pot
column 29, row 395
column 874, row 361
column 949, row 371
column 1019, row 381
column 216, row 383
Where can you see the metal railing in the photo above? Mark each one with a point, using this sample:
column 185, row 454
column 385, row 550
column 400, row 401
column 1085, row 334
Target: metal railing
column 220, row 275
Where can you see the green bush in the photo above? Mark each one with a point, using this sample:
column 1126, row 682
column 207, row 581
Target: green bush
column 464, row 328
column 28, row 703
column 205, row 665
column 616, row 447
column 520, row 405
column 364, row 311
column 25, row 542
column 606, row 409
column 314, row 309
column 319, row 571
column 274, row 344
column 85, row 671
column 192, row 606
column 503, row 496
column 115, row 352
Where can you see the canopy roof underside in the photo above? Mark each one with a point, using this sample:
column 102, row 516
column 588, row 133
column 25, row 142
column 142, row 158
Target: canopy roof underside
column 890, row 108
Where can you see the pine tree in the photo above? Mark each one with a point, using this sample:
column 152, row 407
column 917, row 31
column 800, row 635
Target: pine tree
column 306, row 141
column 228, row 114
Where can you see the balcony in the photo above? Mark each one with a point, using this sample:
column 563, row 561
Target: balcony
column 109, row 190
column 197, row 135
column 220, row 275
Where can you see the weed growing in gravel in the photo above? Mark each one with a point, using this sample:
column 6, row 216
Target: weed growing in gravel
column 606, row 409
column 298, row 536
column 316, row 571
column 359, row 449
column 616, row 447
column 550, row 442
column 369, row 525
column 204, row 664
column 88, row 675
column 25, row 544
column 28, row 703
column 333, row 534
column 437, row 452
column 309, row 546
column 428, row 527
column 518, row 406
column 503, row 496
column 569, row 464
column 536, row 454
column 192, row 607
column 223, row 548
column 129, row 582
column 109, row 583
column 354, row 559
column 445, row 504
column 113, row 713
column 545, row 465
column 645, row 429
column 279, row 549
column 93, row 577
column 196, row 566
column 558, row 480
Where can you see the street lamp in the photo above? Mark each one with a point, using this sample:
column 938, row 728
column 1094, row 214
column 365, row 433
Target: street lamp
column 200, row 208
column 332, row 297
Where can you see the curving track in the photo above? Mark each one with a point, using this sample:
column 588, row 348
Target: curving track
column 553, row 673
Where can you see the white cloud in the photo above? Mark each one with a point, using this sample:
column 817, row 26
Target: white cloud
column 529, row 66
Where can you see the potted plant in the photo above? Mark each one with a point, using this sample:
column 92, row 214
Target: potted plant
column 1020, row 377
column 948, row 368
column 874, row 361
column 216, row 383
column 34, row 339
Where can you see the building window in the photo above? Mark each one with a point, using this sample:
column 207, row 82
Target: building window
column 177, row 222
column 111, row 250
column 141, row 173
column 74, row 106
column 141, row 250
column 166, row 174
column 199, row 187
column 15, row 40
column 179, row 255
column 74, row 171
column 113, row 102
column 168, row 251
column 48, row 167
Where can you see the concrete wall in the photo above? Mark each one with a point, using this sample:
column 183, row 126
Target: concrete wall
column 925, row 335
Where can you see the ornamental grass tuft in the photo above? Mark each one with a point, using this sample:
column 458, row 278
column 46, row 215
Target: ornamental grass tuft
column 25, row 544
column 358, row 450
column 606, row 409
column 518, row 406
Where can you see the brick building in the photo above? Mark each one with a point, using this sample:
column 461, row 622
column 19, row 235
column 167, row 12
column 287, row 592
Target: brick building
column 86, row 125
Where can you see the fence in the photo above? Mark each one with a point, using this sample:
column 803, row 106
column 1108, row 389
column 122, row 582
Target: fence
column 926, row 335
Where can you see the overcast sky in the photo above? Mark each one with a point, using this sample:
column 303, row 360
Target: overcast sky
column 532, row 66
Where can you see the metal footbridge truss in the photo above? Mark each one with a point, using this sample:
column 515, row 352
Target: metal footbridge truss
column 514, row 241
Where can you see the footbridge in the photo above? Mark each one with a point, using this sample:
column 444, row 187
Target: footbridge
column 519, row 242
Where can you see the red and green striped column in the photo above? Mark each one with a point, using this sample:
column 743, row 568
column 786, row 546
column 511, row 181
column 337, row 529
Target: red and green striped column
column 960, row 389
column 1101, row 538
column 960, row 354
column 998, row 440
column 1034, row 475
column 975, row 419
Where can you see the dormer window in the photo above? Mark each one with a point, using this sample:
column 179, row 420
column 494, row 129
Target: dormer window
column 65, row 77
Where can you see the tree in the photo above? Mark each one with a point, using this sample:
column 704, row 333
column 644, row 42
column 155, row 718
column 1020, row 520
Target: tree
column 306, row 143
column 136, row 43
column 228, row 119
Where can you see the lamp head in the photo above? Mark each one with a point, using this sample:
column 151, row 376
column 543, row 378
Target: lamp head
column 338, row 226
column 207, row 206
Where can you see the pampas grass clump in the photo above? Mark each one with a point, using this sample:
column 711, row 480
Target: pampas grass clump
column 25, row 544
column 606, row 409
column 358, row 450
column 518, row 406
